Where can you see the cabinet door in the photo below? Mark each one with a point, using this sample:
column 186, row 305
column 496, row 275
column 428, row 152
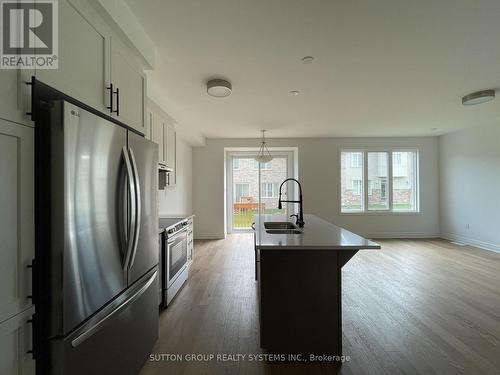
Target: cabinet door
column 17, row 218
column 15, row 345
column 13, row 100
column 171, row 142
column 131, row 83
column 159, row 136
column 82, row 62
column 149, row 125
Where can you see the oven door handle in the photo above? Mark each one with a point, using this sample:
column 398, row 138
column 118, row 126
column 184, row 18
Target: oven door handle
column 174, row 237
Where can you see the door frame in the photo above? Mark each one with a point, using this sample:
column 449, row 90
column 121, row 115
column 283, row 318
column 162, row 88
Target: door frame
column 290, row 153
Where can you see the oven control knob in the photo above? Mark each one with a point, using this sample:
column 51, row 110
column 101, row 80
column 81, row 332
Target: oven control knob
column 170, row 231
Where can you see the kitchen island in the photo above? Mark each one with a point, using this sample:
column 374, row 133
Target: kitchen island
column 299, row 271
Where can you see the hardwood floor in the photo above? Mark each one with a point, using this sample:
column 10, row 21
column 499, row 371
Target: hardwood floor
column 415, row 307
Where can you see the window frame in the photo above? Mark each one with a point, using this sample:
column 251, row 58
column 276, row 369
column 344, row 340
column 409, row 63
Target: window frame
column 256, row 165
column 242, row 184
column 274, row 189
column 390, row 151
column 357, row 165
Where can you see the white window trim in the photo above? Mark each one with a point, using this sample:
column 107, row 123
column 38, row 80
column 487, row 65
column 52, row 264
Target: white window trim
column 364, row 209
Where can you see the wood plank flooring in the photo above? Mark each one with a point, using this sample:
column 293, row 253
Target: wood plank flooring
column 415, row 307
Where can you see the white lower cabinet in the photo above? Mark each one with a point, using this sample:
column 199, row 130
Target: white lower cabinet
column 17, row 218
column 13, row 99
column 16, row 345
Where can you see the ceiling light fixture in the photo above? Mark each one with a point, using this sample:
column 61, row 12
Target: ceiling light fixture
column 219, row 88
column 264, row 156
column 294, row 92
column 307, row 59
column 478, row 97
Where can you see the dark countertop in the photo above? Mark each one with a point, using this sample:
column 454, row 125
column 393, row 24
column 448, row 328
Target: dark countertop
column 317, row 234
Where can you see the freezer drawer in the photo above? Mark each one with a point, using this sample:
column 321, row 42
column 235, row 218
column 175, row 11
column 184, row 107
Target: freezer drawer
column 120, row 343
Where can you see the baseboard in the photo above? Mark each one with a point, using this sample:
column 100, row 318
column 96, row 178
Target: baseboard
column 382, row 235
column 209, row 236
column 471, row 242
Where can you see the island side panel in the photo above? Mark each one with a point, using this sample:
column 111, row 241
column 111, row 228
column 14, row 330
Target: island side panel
column 300, row 306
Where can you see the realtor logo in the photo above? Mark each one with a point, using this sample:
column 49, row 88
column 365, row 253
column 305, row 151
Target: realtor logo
column 29, row 34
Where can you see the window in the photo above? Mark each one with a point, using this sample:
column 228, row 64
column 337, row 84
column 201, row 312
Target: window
column 391, row 179
column 405, row 182
column 269, row 190
column 396, row 157
column 241, row 191
column 351, row 197
column 378, row 173
column 236, row 163
column 356, row 187
column 356, row 159
column 266, row 166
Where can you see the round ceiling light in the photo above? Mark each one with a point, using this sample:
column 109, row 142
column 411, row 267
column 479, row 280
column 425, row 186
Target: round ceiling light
column 219, row 88
column 294, row 92
column 478, row 97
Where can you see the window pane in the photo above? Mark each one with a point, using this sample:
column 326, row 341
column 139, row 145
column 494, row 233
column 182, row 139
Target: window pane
column 404, row 190
column 245, row 192
column 378, row 175
column 351, row 181
column 272, row 174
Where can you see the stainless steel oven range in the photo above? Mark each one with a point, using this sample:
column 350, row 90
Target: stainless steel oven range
column 174, row 257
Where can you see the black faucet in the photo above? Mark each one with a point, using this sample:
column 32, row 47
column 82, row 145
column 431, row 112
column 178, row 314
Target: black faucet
column 300, row 216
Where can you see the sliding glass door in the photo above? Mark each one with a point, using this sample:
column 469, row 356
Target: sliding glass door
column 253, row 187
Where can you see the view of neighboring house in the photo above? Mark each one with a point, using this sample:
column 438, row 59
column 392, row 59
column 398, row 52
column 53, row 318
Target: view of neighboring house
column 381, row 191
column 246, row 190
column 246, row 181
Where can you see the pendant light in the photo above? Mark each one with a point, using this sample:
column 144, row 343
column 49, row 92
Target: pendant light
column 264, row 156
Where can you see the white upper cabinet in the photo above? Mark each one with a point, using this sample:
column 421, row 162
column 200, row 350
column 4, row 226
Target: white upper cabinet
column 17, row 218
column 129, row 88
column 95, row 66
column 158, row 136
column 170, row 152
column 82, row 70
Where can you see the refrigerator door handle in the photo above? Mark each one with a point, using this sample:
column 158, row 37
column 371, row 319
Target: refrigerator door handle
column 133, row 207
column 95, row 327
column 138, row 209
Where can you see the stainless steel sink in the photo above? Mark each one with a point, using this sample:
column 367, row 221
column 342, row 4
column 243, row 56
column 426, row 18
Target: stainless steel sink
column 279, row 225
column 283, row 231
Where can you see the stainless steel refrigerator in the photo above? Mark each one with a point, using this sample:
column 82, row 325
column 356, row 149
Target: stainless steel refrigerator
column 96, row 257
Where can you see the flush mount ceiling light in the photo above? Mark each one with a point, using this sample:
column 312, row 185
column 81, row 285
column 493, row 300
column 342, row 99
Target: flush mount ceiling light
column 219, row 88
column 294, row 92
column 478, row 97
column 264, row 156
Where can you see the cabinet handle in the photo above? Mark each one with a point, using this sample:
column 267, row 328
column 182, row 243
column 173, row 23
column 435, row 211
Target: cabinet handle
column 117, row 111
column 110, row 88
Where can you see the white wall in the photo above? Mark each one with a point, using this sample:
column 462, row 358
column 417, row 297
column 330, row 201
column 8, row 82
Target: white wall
column 178, row 199
column 318, row 172
column 470, row 181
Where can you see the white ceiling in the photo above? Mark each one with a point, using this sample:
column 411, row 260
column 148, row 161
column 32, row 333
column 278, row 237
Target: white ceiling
column 381, row 68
